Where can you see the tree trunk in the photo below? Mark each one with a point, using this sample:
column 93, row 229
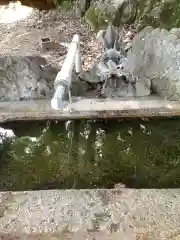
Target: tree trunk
column 40, row 4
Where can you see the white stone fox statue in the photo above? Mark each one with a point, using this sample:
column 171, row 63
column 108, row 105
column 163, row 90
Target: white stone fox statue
column 111, row 39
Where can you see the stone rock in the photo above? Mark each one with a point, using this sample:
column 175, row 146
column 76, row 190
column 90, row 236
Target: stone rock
column 111, row 39
column 78, row 87
column 157, row 13
column 23, row 77
column 81, row 6
column 114, row 71
column 156, row 53
column 77, row 214
column 125, row 88
column 90, row 76
column 117, row 12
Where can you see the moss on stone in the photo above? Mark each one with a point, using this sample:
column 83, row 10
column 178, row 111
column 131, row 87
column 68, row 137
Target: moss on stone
column 101, row 13
column 95, row 18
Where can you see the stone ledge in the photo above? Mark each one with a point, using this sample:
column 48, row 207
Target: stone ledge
column 153, row 213
column 90, row 109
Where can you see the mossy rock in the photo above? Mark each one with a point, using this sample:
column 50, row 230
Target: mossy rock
column 156, row 13
column 118, row 13
column 95, row 18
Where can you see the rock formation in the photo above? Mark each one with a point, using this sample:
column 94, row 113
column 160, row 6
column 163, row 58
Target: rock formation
column 24, row 78
column 116, row 12
column 157, row 13
column 156, row 53
column 113, row 71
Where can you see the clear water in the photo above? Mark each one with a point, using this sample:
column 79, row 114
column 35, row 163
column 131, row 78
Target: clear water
column 77, row 154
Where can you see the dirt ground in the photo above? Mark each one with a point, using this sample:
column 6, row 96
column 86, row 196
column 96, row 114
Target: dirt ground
column 22, row 29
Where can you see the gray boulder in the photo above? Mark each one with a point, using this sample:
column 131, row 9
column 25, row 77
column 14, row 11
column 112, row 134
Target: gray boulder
column 156, row 54
column 22, row 77
column 156, row 13
column 25, row 78
column 117, row 12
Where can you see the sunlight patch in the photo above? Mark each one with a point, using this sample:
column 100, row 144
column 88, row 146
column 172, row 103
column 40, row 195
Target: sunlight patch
column 6, row 132
column 14, row 12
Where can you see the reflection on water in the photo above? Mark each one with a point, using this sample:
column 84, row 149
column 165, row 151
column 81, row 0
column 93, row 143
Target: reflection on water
column 81, row 154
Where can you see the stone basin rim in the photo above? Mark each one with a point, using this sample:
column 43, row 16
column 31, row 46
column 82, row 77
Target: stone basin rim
column 90, row 109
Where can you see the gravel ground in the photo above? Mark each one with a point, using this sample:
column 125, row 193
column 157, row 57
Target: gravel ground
column 22, row 28
column 137, row 214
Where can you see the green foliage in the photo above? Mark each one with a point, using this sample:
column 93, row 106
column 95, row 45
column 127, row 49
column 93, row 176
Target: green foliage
column 96, row 18
column 65, row 4
column 159, row 13
column 5, row 143
column 60, row 2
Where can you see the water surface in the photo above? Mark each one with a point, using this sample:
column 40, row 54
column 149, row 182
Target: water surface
column 90, row 154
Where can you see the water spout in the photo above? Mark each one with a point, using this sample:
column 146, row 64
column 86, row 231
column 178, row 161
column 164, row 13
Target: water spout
column 63, row 79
